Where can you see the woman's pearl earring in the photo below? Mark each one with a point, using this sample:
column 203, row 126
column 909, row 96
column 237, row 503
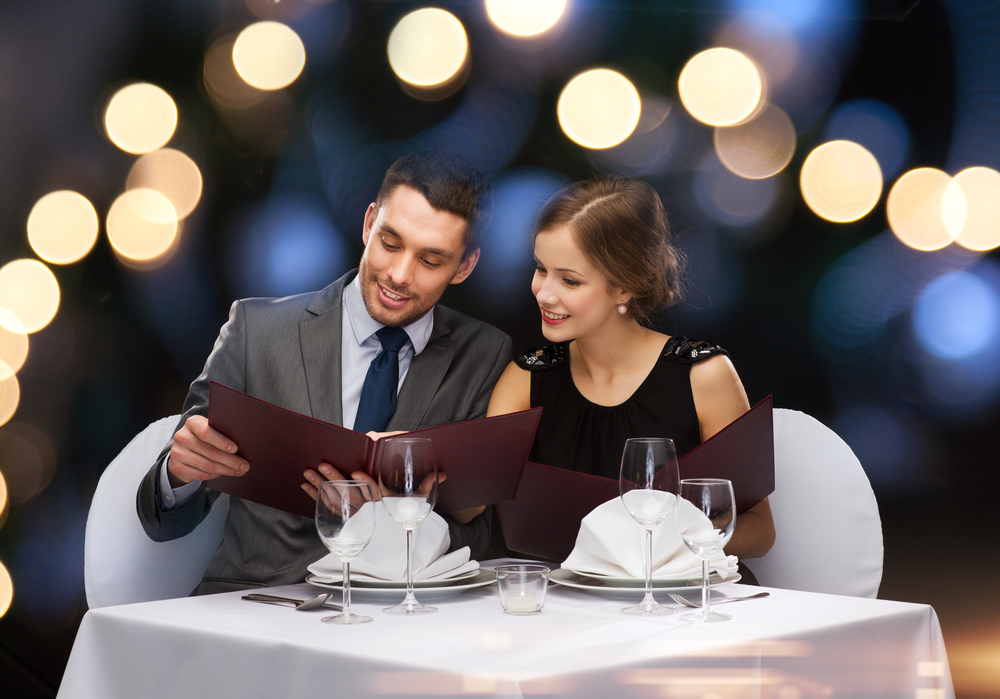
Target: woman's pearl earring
column 621, row 308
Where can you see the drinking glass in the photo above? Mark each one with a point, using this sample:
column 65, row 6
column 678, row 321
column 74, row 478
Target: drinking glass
column 345, row 520
column 714, row 497
column 407, row 477
column 648, row 484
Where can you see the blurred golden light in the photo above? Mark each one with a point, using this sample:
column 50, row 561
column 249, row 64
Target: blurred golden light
column 142, row 224
column 525, row 17
column 841, row 181
column 428, row 47
column 3, row 504
column 917, row 206
column 28, row 459
column 599, row 108
column 757, row 148
column 269, row 55
column 140, row 118
column 720, row 87
column 981, row 187
column 29, row 290
column 6, row 590
column 954, row 209
column 172, row 174
column 974, row 658
column 13, row 341
column 224, row 85
column 62, row 227
column 10, row 393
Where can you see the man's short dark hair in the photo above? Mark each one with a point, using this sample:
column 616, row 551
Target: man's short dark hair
column 449, row 183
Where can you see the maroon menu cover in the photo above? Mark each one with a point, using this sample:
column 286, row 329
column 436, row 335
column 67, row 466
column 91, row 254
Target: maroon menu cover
column 483, row 458
column 544, row 517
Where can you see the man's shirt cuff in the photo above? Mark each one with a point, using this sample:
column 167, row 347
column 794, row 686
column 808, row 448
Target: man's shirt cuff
column 174, row 498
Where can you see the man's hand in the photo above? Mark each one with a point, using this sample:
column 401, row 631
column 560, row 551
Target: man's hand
column 200, row 453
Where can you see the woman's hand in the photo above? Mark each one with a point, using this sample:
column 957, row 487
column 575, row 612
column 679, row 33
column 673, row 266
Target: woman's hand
column 329, row 473
column 378, row 435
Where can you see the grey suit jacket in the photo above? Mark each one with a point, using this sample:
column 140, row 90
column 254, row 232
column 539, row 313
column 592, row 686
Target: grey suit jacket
column 287, row 351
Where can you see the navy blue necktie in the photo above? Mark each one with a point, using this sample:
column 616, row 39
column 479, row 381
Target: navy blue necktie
column 378, row 396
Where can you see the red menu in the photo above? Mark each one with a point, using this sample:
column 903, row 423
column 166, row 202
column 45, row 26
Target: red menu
column 483, row 458
column 544, row 517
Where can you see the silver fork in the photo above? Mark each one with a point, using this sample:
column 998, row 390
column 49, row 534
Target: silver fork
column 688, row 603
column 317, row 602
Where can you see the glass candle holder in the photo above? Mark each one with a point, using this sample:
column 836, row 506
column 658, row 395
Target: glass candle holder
column 522, row 588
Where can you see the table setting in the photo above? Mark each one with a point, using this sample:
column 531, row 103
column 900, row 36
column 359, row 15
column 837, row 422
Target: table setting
column 391, row 556
column 512, row 627
column 650, row 534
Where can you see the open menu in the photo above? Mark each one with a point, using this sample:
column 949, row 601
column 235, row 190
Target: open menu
column 544, row 517
column 482, row 458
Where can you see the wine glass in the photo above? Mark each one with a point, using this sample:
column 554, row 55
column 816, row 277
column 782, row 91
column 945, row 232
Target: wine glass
column 648, row 484
column 407, row 477
column 345, row 520
column 714, row 497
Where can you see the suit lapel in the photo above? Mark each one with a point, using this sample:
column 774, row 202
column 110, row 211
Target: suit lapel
column 423, row 378
column 320, row 339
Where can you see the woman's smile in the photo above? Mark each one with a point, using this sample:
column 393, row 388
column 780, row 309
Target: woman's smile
column 553, row 318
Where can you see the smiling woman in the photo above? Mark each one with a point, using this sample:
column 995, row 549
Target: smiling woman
column 605, row 264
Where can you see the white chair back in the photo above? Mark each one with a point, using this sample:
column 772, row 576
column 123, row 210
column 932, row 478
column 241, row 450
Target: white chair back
column 828, row 530
column 121, row 564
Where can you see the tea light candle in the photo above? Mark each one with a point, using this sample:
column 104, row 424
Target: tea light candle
column 522, row 602
column 522, row 587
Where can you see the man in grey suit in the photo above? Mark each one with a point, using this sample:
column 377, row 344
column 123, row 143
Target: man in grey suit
column 311, row 353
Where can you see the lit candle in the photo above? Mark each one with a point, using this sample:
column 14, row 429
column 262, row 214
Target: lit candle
column 522, row 602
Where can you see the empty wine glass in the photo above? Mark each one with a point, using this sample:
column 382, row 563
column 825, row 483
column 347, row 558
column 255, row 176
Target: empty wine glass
column 345, row 520
column 714, row 497
column 648, row 485
column 407, row 477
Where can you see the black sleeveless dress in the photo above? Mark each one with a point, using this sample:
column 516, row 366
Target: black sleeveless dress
column 575, row 434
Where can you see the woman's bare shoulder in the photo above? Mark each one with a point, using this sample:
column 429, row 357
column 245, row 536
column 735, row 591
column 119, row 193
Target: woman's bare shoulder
column 512, row 392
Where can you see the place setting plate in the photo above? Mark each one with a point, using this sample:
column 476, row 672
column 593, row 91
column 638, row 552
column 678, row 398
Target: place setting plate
column 360, row 580
column 429, row 589
column 605, row 584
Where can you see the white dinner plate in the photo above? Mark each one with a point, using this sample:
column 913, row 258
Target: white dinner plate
column 429, row 590
column 365, row 581
column 631, row 585
column 713, row 579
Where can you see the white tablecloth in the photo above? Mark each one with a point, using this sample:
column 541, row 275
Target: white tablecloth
column 791, row 645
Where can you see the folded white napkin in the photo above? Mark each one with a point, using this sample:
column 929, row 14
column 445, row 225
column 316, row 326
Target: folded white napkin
column 385, row 556
column 611, row 542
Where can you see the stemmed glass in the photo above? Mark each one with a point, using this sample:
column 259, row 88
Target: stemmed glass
column 407, row 477
column 345, row 520
column 714, row 497
column 648, row 484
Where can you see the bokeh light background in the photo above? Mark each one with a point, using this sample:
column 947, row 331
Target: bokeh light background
column 830, row 168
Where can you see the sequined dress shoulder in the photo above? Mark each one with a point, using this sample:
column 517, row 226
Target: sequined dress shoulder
column 543, row 358
column 684, row 350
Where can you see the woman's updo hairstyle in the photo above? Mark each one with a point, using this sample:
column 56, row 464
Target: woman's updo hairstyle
column 621, row 226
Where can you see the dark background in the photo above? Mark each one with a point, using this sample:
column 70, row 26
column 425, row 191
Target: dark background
column 125, row 342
